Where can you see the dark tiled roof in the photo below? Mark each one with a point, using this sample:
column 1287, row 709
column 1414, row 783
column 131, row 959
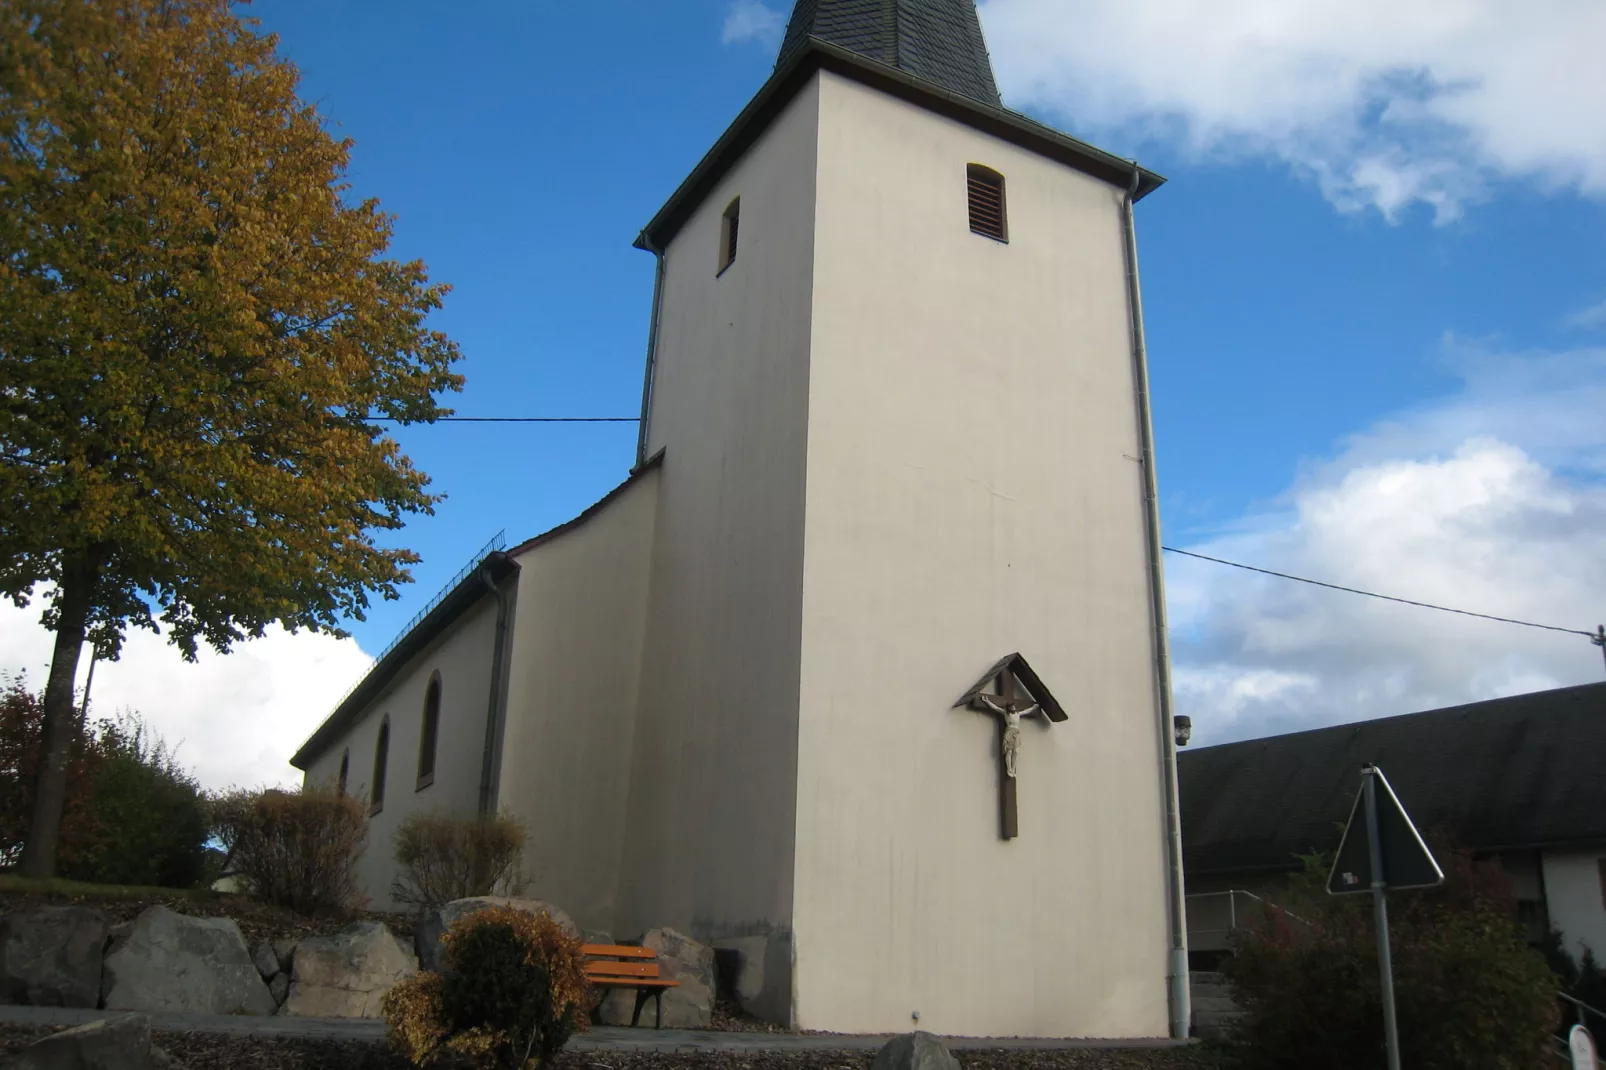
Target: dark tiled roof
column 1523, row 771
column 938, row 41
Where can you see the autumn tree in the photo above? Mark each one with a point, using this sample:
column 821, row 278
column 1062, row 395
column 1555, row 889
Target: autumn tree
column 200, row 338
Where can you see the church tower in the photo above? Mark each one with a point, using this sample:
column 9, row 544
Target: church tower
column 897, row 401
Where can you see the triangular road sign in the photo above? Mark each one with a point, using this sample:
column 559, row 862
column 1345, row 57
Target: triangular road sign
column 1406, row 860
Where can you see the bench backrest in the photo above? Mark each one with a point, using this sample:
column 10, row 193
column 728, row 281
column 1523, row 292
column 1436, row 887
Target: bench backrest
column 603, row 961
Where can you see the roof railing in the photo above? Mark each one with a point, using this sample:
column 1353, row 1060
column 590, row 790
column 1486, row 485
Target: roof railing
column 497, row 542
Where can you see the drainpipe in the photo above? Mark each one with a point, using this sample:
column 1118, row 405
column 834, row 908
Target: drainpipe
column 1179, row 995
column 644, row 242
column 493, row 705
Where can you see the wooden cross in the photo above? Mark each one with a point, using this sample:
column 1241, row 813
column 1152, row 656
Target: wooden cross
column 1009, row 705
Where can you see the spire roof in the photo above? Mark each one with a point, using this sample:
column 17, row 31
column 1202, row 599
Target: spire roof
column 937, row 41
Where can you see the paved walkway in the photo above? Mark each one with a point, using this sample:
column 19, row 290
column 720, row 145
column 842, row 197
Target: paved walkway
column 601, row 1038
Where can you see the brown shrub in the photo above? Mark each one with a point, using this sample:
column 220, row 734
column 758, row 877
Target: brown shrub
column 295, row 849
column 22, row 716
column 442, row 857
column 513, row 993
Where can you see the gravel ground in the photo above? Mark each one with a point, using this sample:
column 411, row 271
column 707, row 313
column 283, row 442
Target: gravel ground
column 197, row 1051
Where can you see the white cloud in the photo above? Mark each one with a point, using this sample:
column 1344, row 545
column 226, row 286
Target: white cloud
column 235, row 719
column 1492, row 501
column 1384, row 103
column 751, row 20
column 1589, row 317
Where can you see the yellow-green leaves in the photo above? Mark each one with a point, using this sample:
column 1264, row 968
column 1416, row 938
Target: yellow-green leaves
column 194, row 326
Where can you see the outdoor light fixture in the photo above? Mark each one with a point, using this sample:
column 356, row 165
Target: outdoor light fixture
column 1184, row 728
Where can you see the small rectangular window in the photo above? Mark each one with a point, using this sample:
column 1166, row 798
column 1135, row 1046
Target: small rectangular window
column 728, row 233
column 987, row 215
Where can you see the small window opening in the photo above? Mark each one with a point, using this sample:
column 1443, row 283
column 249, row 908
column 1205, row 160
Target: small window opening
column 987, row 211
column 345, row 769
column 430, row 733
column 376, row 794
column 728, row 232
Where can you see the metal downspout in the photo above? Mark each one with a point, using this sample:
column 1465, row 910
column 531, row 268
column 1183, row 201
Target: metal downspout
column 645, row 242
column 1175, row 906
column 494, row 704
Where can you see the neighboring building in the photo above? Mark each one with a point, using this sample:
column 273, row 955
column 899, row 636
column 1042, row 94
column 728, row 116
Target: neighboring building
column 1521, row 778
column 895, row 428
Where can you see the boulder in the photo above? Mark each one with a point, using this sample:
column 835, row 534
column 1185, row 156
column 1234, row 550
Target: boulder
column 279, row 988
column 597, row 936
column 427, row 937
column 172, row 962
column 51, row 956
column 914, row 1051
column 348, row 974
column 122, row 1043
column 285, row 949
column 266, row 961
column 690, row 1005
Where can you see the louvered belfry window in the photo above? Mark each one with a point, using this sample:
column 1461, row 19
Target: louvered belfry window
column 987, row 211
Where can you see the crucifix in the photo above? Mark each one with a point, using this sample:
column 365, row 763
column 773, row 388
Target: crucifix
column 1010, row 704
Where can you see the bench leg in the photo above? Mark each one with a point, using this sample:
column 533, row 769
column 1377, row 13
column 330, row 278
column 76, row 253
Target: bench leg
column 660, row 994
column 641, row 1001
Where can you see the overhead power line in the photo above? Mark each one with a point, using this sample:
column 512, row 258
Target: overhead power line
column 520, row 419
column 1591, row 636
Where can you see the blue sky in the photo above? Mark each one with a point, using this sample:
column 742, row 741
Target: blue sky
column 1375, row 290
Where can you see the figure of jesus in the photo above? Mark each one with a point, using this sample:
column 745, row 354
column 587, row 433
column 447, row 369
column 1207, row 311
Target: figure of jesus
column 1011, row 718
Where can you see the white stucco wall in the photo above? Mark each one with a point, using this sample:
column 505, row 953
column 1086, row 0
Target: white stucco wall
column 1575, row 892
column 709, row 842
column 972, row 489
column 463, row 658
column 571, row 707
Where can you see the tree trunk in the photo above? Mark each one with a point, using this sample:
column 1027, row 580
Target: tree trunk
column 74, row 597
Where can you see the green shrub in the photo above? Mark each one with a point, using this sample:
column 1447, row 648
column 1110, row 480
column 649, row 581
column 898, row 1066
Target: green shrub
column 1469, row 991
column 441, row 857
column 295, row 849
column 514, row 990
column 152, row 812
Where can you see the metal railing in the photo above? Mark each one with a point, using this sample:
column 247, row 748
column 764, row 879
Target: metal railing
column 496, row 542
column 1218, row 938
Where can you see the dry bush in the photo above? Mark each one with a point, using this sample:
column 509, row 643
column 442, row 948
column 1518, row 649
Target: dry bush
column 442, row 857
column 295, row 849
column 513, row 992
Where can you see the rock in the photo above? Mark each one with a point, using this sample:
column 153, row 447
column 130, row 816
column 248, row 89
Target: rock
column 690, row 1005
column 914, row 1051
column 597, row 936
column 51, row 956
column 122, row 1043
column 285, row 949
column 348, row 974
column 427, row 937
column 172, row 962
column 279, row 988
column 266, row 961
column 161, row 1060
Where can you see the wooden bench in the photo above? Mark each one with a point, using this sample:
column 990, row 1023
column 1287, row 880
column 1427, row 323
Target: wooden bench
column 617, row 966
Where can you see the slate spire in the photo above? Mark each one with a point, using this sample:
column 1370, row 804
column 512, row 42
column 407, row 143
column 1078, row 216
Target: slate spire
column 938, row 41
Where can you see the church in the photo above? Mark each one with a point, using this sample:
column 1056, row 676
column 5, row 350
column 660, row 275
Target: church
column 862, row 671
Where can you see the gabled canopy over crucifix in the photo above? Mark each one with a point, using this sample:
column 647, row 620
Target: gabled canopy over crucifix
column 1010, row 691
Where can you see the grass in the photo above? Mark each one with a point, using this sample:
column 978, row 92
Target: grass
column 11, row 884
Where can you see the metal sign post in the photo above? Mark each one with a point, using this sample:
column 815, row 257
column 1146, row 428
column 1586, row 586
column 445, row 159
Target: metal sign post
column 1380, row 915
column 1380, row 850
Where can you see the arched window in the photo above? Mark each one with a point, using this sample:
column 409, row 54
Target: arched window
column 345, row 769
column 729, row 231
column 430, row 733
column 988, row 216
column 376, row 794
